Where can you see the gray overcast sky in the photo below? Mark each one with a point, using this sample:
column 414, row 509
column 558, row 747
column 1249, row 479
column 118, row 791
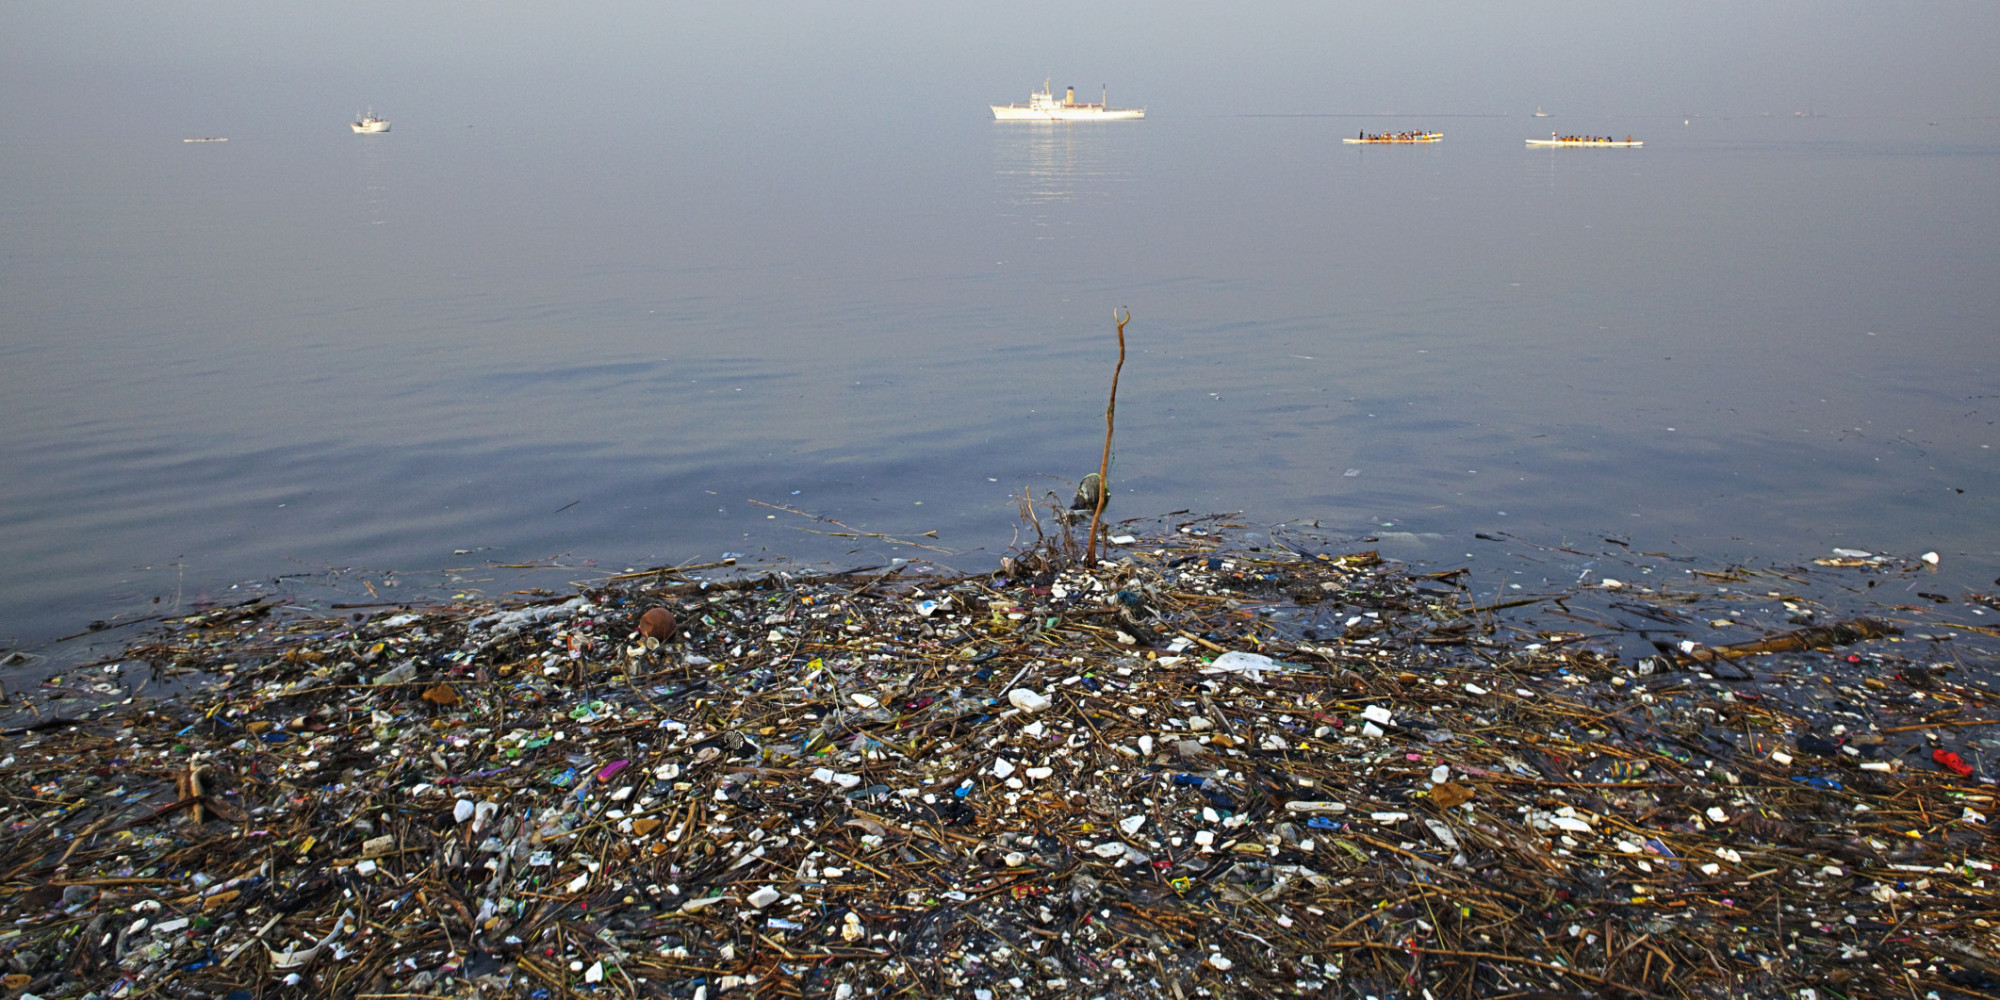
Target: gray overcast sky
column 69, row 65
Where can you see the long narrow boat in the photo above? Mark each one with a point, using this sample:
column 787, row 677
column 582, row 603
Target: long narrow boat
column 1395, row 137
column 1558, row 140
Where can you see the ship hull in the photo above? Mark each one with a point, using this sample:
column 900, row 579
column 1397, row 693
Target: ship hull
column 1017, row 113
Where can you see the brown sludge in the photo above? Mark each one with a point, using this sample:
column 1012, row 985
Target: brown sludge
column 1192, row 771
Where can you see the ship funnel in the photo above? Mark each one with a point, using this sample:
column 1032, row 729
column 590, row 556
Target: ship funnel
column 1070, row 97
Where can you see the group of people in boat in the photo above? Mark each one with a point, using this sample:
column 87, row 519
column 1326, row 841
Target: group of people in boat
column 1586, row 138
column 1392, row 136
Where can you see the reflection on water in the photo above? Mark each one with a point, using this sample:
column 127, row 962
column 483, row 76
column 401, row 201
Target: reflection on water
column 1042, row 163
column 376, row 159
column 590, row 350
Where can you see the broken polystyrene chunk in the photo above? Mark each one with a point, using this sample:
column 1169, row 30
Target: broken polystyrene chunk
column 1306, row 806
column 763, row 897
column 1377, row 714
column 1442, row 832
column 1026, row 700
column 1251, row 665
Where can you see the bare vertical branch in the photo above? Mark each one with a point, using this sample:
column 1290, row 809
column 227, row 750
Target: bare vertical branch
column 1104, row 467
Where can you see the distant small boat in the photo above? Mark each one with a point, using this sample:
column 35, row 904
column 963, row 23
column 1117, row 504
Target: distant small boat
column 1395, row 137
column 1585, row 140
column 206, row 140
column 1539, row 113
column 1042, row 106
column 369, row 123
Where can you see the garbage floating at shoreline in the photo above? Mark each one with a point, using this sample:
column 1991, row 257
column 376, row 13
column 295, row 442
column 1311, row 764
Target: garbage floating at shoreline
column 1189, row 770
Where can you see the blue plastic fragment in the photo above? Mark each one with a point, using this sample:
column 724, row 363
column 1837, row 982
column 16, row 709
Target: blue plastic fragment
column 1823, row 784
column 1323, row 823
column 1660, row 848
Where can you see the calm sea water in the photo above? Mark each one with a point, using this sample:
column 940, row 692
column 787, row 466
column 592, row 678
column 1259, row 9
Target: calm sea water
column 490, row 336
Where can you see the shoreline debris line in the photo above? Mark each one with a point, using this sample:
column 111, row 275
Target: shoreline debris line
column 1192, row 769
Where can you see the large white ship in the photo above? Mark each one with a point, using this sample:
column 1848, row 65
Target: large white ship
column 1042, row 106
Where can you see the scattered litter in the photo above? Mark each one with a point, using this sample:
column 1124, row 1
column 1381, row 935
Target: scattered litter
column 1192, row 770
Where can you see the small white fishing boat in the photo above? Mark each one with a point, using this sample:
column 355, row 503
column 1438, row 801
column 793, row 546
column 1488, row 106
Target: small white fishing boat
column 369, row 123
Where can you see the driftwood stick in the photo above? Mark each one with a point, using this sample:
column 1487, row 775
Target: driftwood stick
column 1104, row 467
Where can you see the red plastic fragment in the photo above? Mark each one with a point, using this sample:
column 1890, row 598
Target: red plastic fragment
column 1952, row 762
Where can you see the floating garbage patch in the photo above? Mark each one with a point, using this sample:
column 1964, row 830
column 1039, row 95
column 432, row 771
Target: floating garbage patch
column 1195, row 769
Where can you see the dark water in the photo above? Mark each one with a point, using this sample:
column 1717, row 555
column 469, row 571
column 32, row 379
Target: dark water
column 492, row 336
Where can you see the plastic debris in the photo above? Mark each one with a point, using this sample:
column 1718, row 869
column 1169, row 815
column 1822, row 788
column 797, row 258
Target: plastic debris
column 1193, row 770
column 1952, row 762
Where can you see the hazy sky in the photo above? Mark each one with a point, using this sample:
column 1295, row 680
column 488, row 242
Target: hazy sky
column 68, row 65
